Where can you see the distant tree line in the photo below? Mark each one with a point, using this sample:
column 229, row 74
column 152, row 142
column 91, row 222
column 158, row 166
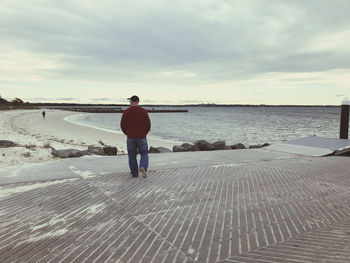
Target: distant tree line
column 16, row 103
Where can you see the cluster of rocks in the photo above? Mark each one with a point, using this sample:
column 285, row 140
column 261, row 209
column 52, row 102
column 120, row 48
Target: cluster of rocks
column 203, row 145
column 92, row 150
column 200, row 145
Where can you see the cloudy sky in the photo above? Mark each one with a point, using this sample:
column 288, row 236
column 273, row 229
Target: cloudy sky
column 185, row 51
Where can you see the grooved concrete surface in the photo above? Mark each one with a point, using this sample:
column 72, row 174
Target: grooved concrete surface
column 279, row 210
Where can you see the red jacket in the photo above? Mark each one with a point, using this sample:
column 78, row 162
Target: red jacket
column 135, row 122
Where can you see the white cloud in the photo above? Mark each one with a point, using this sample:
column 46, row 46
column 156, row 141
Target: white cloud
column 338, row 42
column 178, row 74
column 25, row 66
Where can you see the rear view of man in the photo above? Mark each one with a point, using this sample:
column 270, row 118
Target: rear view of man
column 135, row 124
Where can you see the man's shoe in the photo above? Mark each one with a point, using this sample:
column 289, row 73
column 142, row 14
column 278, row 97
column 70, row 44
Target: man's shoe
column 143, row 172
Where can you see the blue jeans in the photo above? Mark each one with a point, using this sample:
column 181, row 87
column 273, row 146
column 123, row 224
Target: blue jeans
column 141, row 145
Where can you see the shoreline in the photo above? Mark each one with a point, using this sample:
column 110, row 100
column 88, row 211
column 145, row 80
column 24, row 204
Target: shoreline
column 35, row 135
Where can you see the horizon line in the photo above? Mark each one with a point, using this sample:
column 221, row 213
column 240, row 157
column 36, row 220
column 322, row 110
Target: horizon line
column 187, row 105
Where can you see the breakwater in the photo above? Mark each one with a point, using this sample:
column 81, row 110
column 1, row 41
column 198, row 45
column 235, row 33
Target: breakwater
column 111, row 110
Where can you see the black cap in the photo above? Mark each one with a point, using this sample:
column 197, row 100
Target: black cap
column 134, row 98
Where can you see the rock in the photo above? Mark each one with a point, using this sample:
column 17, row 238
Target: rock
column 203, row 145
column 219, row 145
column 163, row 150
column 109, row 150
column 6, row 143
column 81, row 153
column 265, row 144
column 189, row 147
column 152, row 150
column 65, row 153
column 95, row 150
column 255, row 146
column 238, row 146
column 228, row 147
column 177, row 148
column 158, row 150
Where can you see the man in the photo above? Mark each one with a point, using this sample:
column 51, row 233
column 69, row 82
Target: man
column 135, row 124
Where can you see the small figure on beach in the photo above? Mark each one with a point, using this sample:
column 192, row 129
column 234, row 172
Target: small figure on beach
column 135, row 124
column 44, row 114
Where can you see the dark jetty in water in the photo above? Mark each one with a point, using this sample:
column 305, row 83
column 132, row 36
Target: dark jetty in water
column 110, row 109
column 157, row 111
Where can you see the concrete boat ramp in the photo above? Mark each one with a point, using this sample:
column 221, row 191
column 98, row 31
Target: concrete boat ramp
column 252, row 205
column 314, row 146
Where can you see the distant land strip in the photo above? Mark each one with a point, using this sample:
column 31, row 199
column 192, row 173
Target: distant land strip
column 92, row 109
column 48, row 105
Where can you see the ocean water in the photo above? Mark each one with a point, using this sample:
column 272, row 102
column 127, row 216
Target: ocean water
column 248, row 125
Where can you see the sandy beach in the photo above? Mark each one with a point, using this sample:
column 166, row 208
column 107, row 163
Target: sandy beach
column 34, row 136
